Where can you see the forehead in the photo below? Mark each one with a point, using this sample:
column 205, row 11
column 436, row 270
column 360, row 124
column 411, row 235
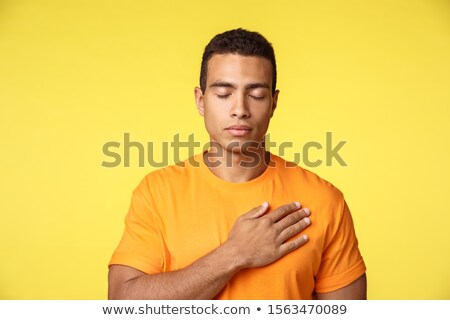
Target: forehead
column 239, row 69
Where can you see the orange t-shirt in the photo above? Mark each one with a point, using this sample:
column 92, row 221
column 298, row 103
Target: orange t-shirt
column 179, row 214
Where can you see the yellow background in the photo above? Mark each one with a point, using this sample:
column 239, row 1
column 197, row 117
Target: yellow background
column 77, row 74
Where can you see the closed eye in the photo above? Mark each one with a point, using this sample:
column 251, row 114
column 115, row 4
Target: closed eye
column 257, row 97
column 222, row 96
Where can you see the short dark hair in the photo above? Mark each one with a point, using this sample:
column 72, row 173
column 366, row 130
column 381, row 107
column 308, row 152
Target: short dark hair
column 242, row 42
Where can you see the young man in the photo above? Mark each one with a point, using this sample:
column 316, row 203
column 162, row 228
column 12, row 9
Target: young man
column 237, row 222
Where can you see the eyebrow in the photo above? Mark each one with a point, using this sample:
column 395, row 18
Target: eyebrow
column 248, row 86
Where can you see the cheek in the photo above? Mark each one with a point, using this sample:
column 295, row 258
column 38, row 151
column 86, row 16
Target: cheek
column 215, row 113
column 263, row 122
column 212, row 121
column 263, row 117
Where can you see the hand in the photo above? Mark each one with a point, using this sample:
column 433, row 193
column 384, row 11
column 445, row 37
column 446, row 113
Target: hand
column 259, row 239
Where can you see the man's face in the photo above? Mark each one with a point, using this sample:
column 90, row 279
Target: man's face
column 238, row 102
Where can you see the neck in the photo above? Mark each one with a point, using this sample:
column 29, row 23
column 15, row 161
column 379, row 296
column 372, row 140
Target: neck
column 237, row 166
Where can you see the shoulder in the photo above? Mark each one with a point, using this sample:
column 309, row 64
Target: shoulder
column 311, row 185
column 174, row 175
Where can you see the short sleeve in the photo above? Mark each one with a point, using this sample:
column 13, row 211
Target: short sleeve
column 141, row 246
column 341, row 262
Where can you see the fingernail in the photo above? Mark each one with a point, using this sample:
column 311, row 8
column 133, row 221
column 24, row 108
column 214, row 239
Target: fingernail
column 265, row 204
column 307, row 221
column 307, row 211
column 305, row 237
column 297, row 204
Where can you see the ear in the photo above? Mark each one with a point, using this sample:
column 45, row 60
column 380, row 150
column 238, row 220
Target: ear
column 274, row 102
column 199, row 100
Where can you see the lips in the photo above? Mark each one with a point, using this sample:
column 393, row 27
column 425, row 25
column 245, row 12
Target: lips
column 238, row 130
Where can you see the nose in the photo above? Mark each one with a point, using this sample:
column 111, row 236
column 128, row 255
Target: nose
column 240, row 109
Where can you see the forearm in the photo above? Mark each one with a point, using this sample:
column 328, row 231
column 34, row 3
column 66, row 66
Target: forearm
column 203, row 279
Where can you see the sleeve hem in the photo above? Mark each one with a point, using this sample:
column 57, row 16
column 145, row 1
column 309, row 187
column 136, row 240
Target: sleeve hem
column 341, row 280
column 130, row 261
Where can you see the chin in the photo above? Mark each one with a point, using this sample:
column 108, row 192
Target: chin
column 247, row 147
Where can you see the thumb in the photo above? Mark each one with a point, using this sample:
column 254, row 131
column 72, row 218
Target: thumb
column 259, row 211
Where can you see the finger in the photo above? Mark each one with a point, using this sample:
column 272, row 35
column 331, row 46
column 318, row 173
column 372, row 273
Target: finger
column 292, row 218
column 257, row 211
column 284, row 210
column 294, row 229
column 292, row 245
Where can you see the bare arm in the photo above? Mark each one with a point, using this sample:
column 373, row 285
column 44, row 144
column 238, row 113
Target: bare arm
column 256, row 239
column 356, row 290
column 201, row 280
